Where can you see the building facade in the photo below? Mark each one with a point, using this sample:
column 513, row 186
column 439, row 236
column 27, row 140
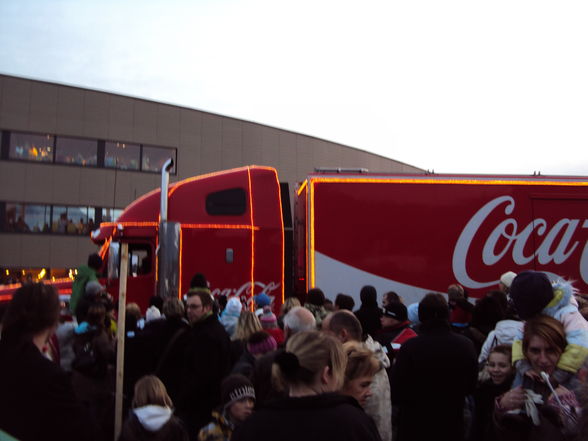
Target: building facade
column 73, row 157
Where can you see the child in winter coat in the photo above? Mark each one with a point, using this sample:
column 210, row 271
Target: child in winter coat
column 532, row 293
column 238, row 398
column 152, row 416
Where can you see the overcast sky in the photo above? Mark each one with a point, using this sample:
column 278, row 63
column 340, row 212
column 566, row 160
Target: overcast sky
column 452, row 85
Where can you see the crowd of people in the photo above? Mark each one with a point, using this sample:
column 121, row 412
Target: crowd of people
column 510, row 365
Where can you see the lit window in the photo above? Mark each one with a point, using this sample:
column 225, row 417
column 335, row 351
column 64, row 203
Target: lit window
column 122, row 155
column 155, row 157
column 31, row 147
column 76, row 151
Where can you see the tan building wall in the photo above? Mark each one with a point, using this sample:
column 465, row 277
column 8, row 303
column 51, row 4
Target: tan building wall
column 204, row 141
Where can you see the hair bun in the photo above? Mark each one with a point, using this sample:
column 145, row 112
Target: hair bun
column 288, row 363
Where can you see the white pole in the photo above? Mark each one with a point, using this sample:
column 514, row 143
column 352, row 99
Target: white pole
column 120, row 338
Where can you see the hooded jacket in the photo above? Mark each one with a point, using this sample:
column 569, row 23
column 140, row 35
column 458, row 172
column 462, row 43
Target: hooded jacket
column 78, row 287
column 504, row 333
column 153, row 423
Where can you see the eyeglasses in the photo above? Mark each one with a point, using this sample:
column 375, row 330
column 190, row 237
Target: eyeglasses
column 193, row 306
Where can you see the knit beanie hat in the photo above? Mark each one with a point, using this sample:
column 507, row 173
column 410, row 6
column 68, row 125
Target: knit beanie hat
column 235, row 387
column 507, row 278
column 396, row 310
column 268, row 318
column 233, row 307
column 262, row 300
column 531, row 292
column 260, row 343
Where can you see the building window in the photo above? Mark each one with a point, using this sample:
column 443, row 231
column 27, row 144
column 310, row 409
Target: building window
column 30, row 147
column 122, row 155
column 35, row 218
column 110, row 214
column 76, row 151
column 154, row 158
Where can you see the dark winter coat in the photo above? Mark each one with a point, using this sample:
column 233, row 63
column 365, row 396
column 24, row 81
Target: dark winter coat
column 194, row 369
column 484, row 397
column 432, row 375
column 37, row 401
column 313, row 418
column 133, row 430
column 369, row 316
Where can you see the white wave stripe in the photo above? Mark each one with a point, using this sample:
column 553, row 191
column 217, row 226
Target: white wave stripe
column 334, row 277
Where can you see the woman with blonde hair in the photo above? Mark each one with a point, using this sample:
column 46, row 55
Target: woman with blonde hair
column 247, row 325
column 312, row 370
column 152, row 415
column 362, row 365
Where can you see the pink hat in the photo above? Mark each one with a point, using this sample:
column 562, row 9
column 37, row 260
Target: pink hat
column 260, row 343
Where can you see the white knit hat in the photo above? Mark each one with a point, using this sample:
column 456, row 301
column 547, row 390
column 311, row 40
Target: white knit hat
column 507, row 278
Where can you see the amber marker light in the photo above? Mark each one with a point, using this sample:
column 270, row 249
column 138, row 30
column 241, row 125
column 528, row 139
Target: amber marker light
column 281, row 231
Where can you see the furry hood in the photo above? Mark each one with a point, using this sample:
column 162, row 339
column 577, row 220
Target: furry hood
column 563, row 300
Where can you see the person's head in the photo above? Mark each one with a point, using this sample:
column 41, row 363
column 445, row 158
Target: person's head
column 95, row 262
column 134, row 310
column 198, row 281
column 505, row 281
column 247, row 324
column 343, row 301
column 344, row 325
column 261, row 300
column 362, row 365
column 261, row 343
column 433, row 307
column 198, row 305
column 288, row 304
column 486, row 313
column 391, row 297
column 94, row 289
column 312, row 363
column 544, row 340
column 237, row 397
column 156, row 301
column 149, row 390
column 33, row 310
column 316, row 297
column 298, row 319
column 368, row 296
column 499, row 364
column 268, row 318
column 455, row 292
column 96, row 315
column 530, row 291
column 393, row 314
column 233, row 307
column 173, row 308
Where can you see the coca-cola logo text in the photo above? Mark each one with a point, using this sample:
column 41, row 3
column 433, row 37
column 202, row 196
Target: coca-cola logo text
column 245, row 292
column 515, row 241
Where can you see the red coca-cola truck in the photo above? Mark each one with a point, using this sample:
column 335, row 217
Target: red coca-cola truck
column 411, row 234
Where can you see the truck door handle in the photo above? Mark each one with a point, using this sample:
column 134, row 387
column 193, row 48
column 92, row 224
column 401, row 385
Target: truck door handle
column 229, row 255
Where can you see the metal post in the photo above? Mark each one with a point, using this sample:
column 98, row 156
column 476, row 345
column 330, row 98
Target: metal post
column 120, row 338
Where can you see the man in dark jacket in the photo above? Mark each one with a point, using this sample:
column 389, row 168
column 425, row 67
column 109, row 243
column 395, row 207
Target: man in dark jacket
column 199, row 361
column 432, row 375
column 369, row 313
